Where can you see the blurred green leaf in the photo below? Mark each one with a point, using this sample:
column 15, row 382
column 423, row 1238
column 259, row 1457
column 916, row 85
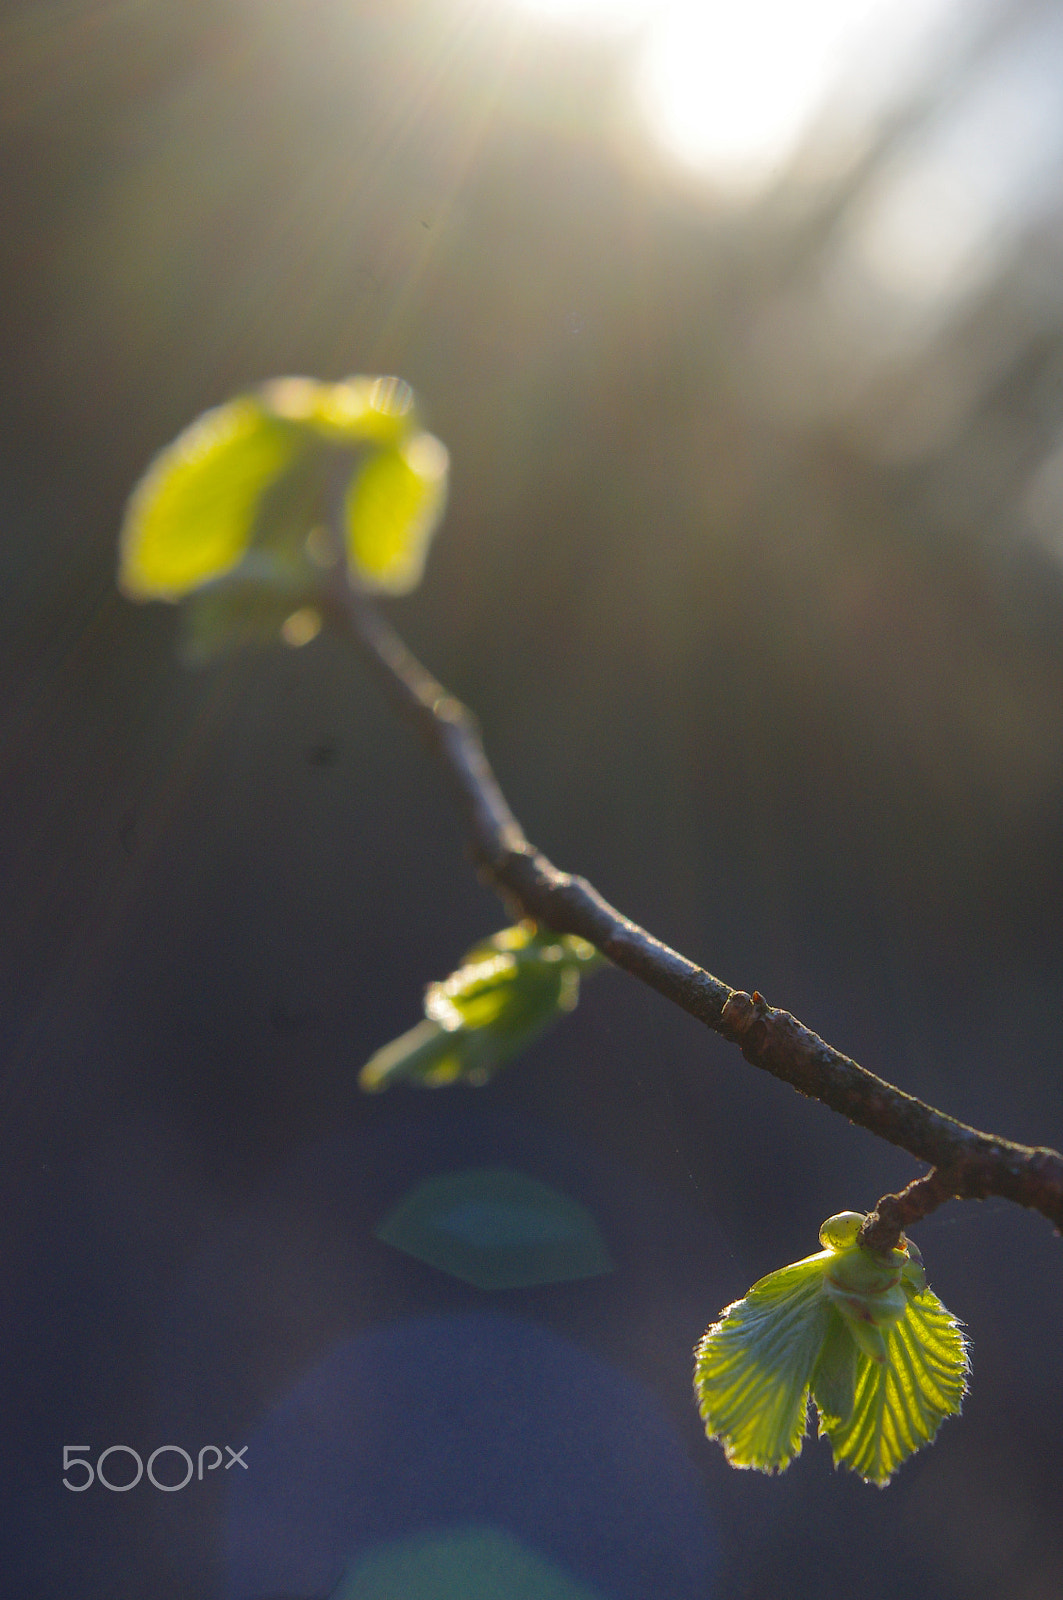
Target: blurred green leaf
column 356, row 412
column 191, row 517
column 426, row 1055
column 251, row 605
column 234, row 515
column 394, row 505
column 506, row 991
column 462, row 1563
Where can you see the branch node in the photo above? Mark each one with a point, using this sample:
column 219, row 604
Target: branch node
column 882, row 1230
column 739, row 1014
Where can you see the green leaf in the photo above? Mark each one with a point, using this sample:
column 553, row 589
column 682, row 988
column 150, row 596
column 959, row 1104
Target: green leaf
column 356, row 412
column 505, row 987
column 885, row 1362
column 506, row 991
column 261, row 598
column 900, row 1404
column 871, row 1292
column 393, row 507
column 427, row 1055
column 261, row 474
column 275, row 587
column 191, row 517
column 834, row 1380
column 754, row 1367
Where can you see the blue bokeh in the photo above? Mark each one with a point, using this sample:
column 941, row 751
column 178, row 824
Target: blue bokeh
column 474, row 1418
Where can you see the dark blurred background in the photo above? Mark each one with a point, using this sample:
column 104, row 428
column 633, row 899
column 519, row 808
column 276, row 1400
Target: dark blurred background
column 750, row 362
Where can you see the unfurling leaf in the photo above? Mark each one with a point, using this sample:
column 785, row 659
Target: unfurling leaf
column 237, row 503
column 755, row 1365
column 506, row 991
column 900, row 1403
column 883, row 1360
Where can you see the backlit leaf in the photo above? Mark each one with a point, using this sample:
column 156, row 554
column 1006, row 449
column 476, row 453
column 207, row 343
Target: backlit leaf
column 883, row 1360
column 506, row 991
column 191, row 517
column 271, row 473
column 900, row 1405
column 427, row 1055
column 754, row 1367
column 393, row 507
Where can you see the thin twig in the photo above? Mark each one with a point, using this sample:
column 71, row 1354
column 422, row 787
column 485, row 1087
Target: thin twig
column 895, row 1212
column 966, row 1164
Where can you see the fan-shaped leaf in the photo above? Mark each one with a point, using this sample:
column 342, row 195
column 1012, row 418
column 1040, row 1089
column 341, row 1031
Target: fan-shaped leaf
column 754, row 1367
column 900, row 1404
column 885, row 1362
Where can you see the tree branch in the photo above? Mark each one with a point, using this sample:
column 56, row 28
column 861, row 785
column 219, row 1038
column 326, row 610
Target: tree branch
column 966, row 1164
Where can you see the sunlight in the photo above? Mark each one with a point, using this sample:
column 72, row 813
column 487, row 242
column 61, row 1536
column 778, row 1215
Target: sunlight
column 596, row 15
column 731, row 89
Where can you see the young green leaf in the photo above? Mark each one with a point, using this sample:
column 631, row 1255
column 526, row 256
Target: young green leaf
column 250, row 605
column 754, row 1367
column 883, row 1360
column 834, row 1377
column 356, row 412
column 394, row 505
column 192, row 515
column 900, row 1403
column 506, row 991
column 237, row 502
column 427, row 1055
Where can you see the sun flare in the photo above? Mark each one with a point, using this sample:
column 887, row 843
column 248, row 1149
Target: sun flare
column 730, row 90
